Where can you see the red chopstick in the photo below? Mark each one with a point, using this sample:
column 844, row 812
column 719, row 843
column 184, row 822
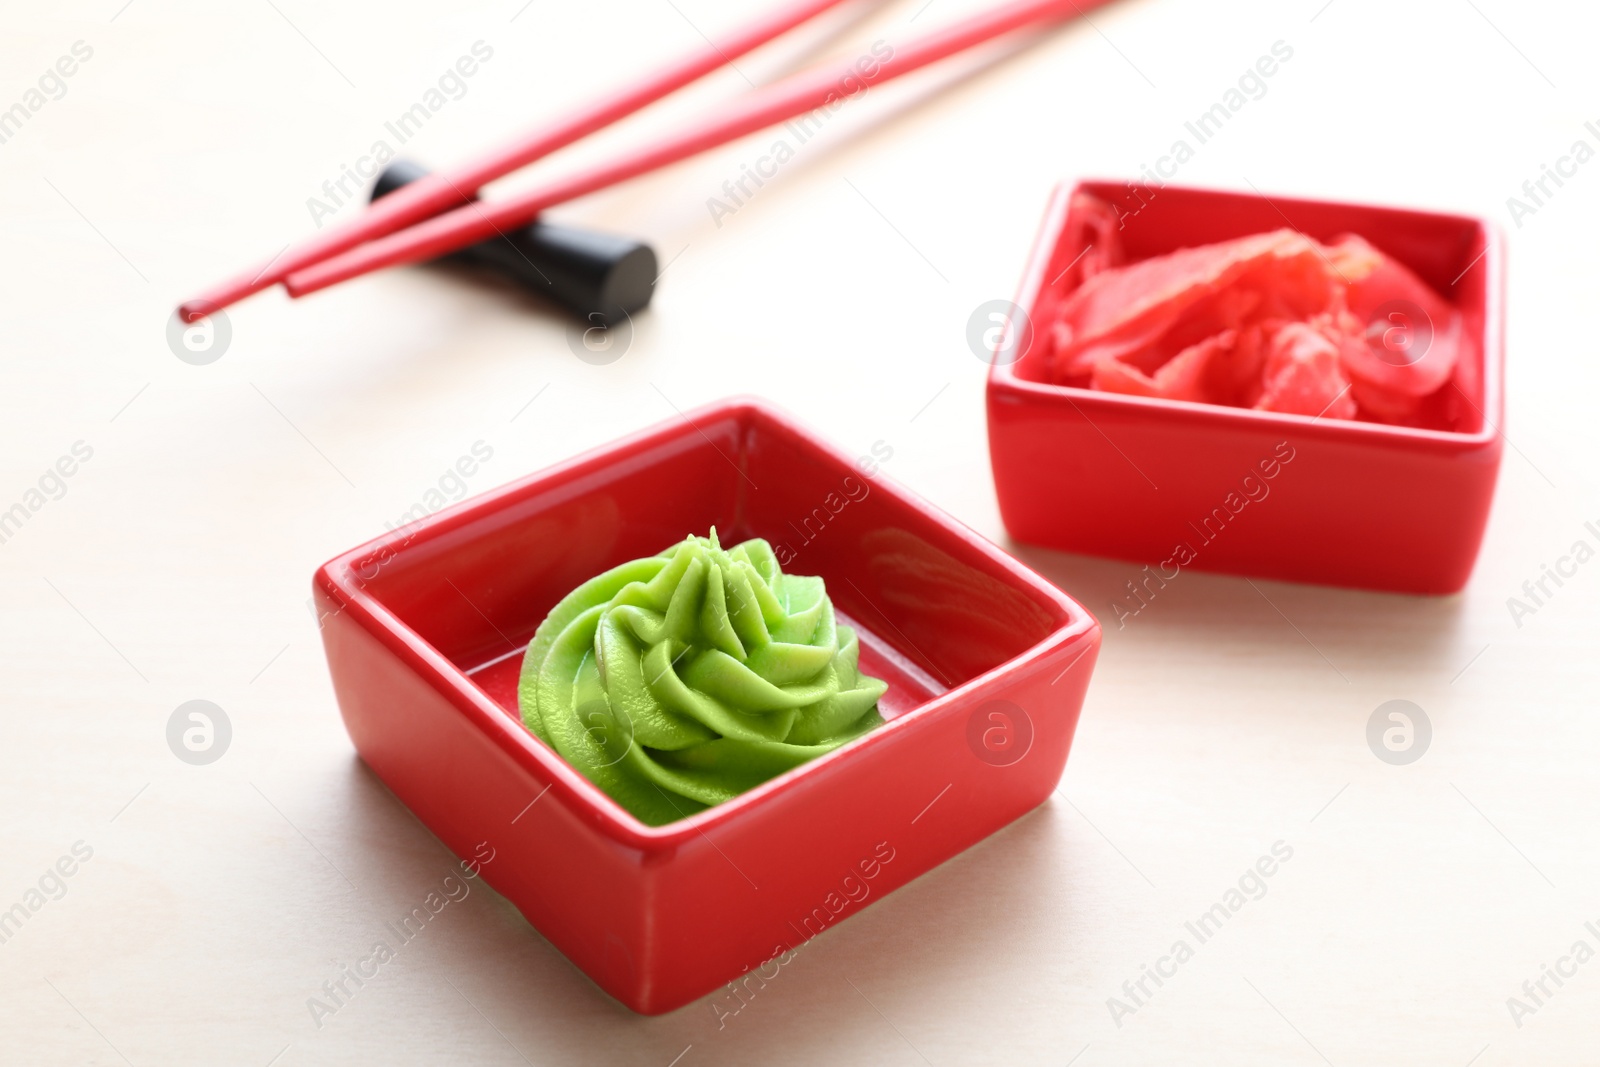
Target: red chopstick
column 785, row 100
column 444, row 189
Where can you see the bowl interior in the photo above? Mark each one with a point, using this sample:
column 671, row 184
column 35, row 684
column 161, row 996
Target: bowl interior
column 933, row 609
column 1446, row 251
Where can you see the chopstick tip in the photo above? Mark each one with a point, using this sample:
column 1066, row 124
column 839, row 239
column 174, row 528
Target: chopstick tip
column 197, row 309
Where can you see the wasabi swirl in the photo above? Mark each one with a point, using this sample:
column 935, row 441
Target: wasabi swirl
column 681, row 680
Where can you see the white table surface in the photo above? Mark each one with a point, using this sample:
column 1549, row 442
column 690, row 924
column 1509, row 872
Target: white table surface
column 176, row 565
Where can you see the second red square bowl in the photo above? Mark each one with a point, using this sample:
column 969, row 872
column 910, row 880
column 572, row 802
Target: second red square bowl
column 1164, row 482
column 986, row 662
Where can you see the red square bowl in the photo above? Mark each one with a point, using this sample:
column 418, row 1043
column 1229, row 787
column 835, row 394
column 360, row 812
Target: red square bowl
column 986, row 663
column 1162, row 482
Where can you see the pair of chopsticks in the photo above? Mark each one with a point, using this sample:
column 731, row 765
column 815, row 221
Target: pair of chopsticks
column 440, row 213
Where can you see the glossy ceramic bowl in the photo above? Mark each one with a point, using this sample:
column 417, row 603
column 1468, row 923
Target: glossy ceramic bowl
column 1164, row 482
column 986, row 662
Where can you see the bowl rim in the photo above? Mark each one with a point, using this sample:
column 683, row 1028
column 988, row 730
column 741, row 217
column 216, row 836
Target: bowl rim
column 339, row 580
column 1003, row 377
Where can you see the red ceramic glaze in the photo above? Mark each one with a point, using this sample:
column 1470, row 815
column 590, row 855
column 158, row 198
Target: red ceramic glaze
column 1356, row 504
column 987, row 664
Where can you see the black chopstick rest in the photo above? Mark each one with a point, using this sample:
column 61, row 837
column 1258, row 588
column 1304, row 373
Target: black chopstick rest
column 600, row 277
